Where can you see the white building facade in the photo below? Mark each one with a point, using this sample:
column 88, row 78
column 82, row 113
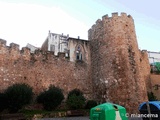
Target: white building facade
column 32, row 48
column 74, row 48
column 57, row 43
column 153, row 57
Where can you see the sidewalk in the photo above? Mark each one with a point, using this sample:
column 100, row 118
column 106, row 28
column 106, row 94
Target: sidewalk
column 79, row 118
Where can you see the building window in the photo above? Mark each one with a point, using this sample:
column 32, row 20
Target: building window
column 79, row 56
column 52, row 48
column 78, row 53
column 55, row 37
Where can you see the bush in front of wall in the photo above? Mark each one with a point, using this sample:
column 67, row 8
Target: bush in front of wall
column 90, row 104
column 3, row 102
column 75, row 99
column 18, row 95
column 51, row 98
column 151, row 96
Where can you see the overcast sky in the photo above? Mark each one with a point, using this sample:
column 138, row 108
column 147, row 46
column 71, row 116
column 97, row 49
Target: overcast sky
column 28, row 21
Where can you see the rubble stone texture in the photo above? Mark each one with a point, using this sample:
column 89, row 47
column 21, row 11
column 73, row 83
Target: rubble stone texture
column 117, row 73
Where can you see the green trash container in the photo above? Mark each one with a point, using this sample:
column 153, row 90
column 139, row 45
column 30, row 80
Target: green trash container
column 108, row 111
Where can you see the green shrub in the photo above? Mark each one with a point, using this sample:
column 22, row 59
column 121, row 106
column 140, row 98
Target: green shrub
column 151, row 96
column 90, row 104
column 18, row 95
column 51, row 98
column 77, row 92
column 75, row 99
column 3, row 102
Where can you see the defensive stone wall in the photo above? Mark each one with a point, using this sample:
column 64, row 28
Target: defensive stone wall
column 145, row 69
column 42, row 69
column 155, row 82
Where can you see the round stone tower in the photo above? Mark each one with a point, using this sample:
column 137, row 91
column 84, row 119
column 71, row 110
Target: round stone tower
column 116, row 63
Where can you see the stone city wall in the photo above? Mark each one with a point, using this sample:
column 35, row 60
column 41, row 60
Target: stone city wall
column 42, row 69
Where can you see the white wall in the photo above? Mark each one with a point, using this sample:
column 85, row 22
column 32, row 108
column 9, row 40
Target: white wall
column 31, row 47
column 154, row 57
column 56, row 41
column 72, row 50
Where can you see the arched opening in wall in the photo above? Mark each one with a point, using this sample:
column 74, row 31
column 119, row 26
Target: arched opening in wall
column 79, row 55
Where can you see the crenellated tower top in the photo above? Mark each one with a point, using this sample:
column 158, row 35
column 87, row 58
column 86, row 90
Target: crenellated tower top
column 105, row 19
column 116, row 15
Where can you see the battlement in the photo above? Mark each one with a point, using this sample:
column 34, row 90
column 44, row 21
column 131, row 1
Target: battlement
column 98, row 21
column 25, row 52
column 124, row 14
column 110, row 22
column 14, row 46
column 93, row 26
column 2, row 42
column 144, row 52
column 115, row 15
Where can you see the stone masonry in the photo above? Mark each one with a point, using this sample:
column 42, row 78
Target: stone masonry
column 113, row 68
column 42, row 69
column 117, row 74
